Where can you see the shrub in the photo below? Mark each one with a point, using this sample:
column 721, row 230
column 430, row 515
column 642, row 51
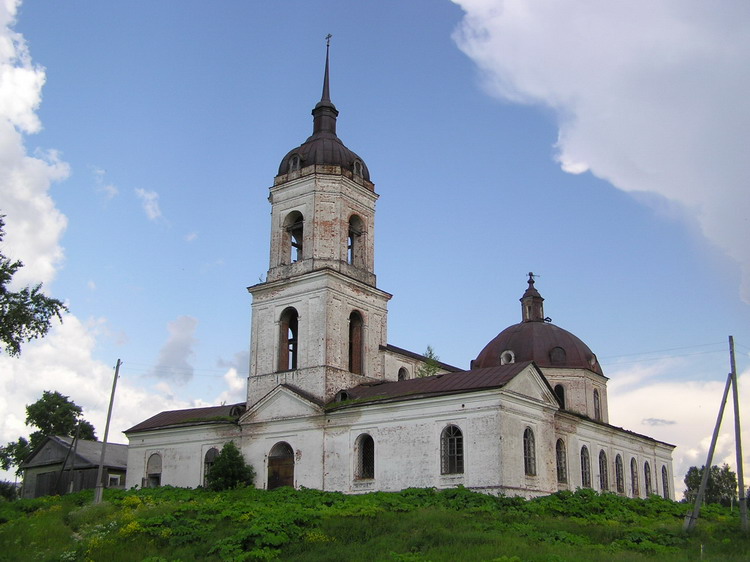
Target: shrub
column 8, row 490
column 229, row 470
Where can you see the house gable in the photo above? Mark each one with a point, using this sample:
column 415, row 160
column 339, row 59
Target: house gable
column 531, row 383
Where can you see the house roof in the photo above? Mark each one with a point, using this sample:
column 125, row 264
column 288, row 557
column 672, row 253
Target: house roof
column 88, row 453
column 192, row 416
column 447, row 383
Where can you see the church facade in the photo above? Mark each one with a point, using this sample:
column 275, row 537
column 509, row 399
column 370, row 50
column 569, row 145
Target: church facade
column 331, row 405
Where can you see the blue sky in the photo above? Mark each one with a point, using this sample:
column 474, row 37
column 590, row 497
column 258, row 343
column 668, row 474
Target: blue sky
column 599, row 146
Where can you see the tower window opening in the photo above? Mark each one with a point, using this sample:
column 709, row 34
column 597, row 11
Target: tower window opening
column 294, row 236
column 354, row 247
column 294, row 163
column 289, row 340
column 355, row 343
column 358, row 168
column 557, row 356
column 597, row 406
column 560, row 393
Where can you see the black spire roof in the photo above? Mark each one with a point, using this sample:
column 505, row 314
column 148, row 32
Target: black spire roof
column 323, row 147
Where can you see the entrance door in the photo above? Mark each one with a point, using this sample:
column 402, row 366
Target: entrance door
column 280, row 466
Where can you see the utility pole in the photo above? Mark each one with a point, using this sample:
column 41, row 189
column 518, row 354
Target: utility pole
column 738, row 439
column 99, row 490
column 692, row 517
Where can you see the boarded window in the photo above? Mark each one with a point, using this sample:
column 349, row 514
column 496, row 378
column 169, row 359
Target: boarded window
column 365, row 449
column 634, row 488
column 355, row 343
column 280, row 466
column 603, row 472
column 452, row 451
column 597, row 406
column 529, row 452
column 665, row 482
column 619, row 475
column 153, row 471
column 562, row 461
column 585, row 467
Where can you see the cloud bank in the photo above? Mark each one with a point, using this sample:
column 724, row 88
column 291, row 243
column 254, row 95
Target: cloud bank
column 650, row 96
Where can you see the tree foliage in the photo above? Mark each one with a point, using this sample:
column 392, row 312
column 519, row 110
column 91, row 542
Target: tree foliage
column 8, row 490
column 229, row 469
column 720, row 488
column 25, row 314
column 431, row 364
column 52, row 414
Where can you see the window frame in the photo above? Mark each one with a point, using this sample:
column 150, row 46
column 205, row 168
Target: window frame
column 451, row 450
column 561, row 457
column 585, row 467
column 619, row 474
column 365, row 455
column 529, row 452
column 603, row 471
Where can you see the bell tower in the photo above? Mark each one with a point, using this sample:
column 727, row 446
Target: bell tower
column 319, row 319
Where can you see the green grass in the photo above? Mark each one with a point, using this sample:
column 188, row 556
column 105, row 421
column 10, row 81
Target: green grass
column 173, row 524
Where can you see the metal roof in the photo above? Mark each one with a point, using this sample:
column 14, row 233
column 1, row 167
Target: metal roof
column 88, row 453
column 192, row 416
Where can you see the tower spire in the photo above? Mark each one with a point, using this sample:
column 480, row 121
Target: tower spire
column 325, row 113
column 532, row 307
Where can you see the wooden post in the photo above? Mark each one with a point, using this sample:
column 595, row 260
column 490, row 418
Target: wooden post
column 99, row 490
column 691, row 517
column 738, row 439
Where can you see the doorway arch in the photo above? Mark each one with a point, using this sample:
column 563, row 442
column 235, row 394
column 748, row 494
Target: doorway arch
column 280, row 466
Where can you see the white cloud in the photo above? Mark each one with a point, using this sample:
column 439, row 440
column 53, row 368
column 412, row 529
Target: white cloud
column 33, row 224
column 110, row 190
column 651, row 98
column 174, row 357
column 150, row 202
column 682, row 413
column 191, row 236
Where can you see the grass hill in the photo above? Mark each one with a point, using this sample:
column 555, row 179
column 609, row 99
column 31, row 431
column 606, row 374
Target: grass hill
column 174, row 524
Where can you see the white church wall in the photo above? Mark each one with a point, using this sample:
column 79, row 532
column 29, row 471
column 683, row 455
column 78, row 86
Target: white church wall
column 182, row 452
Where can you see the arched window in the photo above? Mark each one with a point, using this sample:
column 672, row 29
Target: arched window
column 665, row 482
column 208, row 462
column 585, row 467
column 403, row 374
column 280, row 466
column 357, row 168
column 557, row 356
column 634, row 488
column 560, row 393
column 619, row 475
column 355, row 249
column 365, row 450
column 288, row 339
column 597, row 406
column 293, row 236
column 529, row 452
column 355, row 343
column 153, row 471
column 451, row 451
column 603, row 471
column 562, row 461
column 294, row 163
column 647, row 478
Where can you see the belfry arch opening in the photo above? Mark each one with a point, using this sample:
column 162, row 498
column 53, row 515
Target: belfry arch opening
column 293, row 237
column 288, row 339
column 354, row 242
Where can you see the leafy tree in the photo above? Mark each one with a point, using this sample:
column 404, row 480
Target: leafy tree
column 720, row 488
column 52, row 414
column 431, row 365
column 229, row 469
column 26, row 314
column 8, row 490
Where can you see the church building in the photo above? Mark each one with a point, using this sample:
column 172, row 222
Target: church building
column 332, row 405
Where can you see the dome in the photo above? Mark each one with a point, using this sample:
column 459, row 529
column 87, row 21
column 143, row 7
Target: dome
column 537, row 339
column 323, row 147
